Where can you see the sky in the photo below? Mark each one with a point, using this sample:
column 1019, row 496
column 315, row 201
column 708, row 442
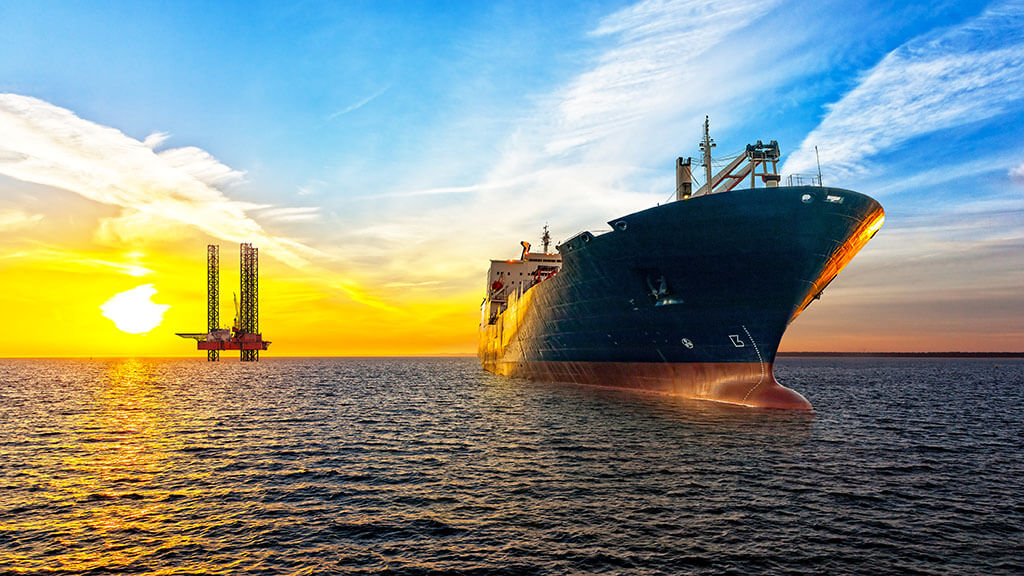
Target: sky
column 380, row 153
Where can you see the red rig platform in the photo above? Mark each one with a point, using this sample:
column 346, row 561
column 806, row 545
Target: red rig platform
column 245, row 335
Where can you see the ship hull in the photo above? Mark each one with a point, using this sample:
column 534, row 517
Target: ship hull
column 742, row 383
column 690, row 298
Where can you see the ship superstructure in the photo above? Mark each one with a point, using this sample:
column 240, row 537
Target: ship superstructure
column 689, row 298
column 507, row 280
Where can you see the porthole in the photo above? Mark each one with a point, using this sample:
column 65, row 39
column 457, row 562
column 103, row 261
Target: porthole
column 621, row 225
column 807, row 198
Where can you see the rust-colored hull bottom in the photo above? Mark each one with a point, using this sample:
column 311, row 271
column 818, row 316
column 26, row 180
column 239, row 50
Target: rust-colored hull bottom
column 745, row 384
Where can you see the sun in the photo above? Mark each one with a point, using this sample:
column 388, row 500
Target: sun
column 133, row 311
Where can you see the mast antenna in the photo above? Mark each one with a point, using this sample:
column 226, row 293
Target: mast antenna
column 819, row 164
column 706, row 144
column 546, row 238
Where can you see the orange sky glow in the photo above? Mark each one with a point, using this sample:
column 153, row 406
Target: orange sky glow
column 378, row 167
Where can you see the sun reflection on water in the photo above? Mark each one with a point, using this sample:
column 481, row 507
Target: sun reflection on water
column 411, row 465
column 110, row 467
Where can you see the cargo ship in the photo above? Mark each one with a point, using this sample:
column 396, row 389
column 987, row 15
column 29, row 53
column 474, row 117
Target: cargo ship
column 690, row 298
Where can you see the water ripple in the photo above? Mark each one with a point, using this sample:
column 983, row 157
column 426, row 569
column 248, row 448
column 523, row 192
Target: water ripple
column 422, row 466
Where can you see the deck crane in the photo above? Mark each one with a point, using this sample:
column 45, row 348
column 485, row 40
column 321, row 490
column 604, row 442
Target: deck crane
column 757, row 160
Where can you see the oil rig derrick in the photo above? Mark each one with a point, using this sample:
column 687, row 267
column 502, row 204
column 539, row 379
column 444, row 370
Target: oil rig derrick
column 212, row 295
column 248, row 306
column 245, row 335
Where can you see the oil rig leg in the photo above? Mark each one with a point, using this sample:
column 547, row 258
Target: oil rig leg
column 212, row 295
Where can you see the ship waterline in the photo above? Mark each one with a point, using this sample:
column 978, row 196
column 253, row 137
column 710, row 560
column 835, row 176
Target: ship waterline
column 741, row 383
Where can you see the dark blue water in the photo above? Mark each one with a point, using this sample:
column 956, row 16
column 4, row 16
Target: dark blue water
column 419, row 466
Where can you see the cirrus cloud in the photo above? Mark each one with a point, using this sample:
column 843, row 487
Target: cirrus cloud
column 13, row 219
column 50, row 145
column 965, row 74
column 1017, row 174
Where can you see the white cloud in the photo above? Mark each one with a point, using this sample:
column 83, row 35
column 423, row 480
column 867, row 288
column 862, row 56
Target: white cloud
column 161, row 194
column 975, row 166
column 445, row 190
column 659, row 44
column 49, row 145
column 137, row 228
column 664, row 63
column 202, row 166
column 156, row 139
column 959, row 76
column 573, row 160
column 411, row 284
column 1017, row 174
column 359, row 104
column 76, row 262
column 13, row 219
column 311, row 187
column 296, row 214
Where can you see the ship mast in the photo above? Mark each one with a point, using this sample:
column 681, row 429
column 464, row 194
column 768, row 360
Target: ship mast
column 705, row 146
column 546, row 238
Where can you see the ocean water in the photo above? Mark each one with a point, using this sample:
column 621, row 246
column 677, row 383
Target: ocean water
column 421, row 466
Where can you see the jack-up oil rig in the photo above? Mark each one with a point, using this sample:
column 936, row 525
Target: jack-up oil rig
column 244, row 335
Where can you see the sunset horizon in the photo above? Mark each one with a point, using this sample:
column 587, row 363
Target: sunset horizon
column 634, row 287
column 378, row 175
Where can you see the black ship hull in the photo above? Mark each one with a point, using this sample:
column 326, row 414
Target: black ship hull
column 689, row 298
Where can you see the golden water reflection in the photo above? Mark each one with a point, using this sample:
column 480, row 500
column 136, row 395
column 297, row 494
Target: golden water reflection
column 109, row 473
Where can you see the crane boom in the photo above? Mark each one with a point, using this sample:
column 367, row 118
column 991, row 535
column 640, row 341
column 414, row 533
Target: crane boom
column 756, row 156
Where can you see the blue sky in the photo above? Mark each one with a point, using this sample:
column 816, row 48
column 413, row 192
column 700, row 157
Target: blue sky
column 387, row 150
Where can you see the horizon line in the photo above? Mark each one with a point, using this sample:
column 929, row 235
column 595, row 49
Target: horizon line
column 945, row 354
